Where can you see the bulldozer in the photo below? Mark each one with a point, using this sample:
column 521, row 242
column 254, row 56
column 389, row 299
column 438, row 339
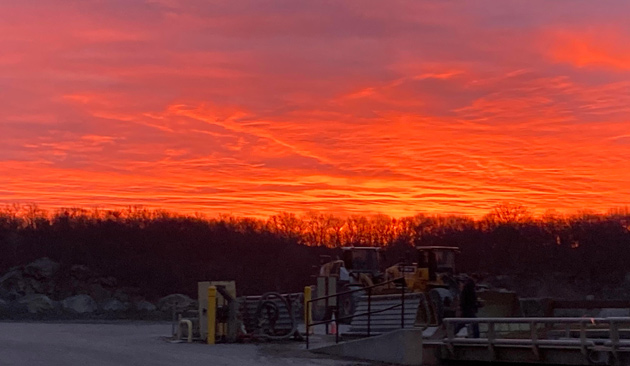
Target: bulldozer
column 431, row 275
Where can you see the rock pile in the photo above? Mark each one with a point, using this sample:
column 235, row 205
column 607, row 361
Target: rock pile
column 562, row 286
column 44, row 287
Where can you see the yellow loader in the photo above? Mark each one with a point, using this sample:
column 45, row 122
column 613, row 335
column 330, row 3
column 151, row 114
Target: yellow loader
column 431, row 275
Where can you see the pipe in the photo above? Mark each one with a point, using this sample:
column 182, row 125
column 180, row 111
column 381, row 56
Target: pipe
column 265, row 298
column 189, row 325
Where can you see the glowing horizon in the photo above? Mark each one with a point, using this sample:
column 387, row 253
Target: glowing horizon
column 256, row 107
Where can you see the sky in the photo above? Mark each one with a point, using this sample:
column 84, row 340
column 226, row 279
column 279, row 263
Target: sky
column 253, row 107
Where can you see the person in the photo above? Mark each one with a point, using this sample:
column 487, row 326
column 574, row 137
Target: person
column 344, row 275
column 449, row 310
column 468, row 304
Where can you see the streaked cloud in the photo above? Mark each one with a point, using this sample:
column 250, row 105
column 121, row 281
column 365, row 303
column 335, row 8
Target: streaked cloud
column 254, row 107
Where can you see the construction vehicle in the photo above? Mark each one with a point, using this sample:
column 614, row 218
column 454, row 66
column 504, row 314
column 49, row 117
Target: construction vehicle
column 434, row 268
column 361, row 267
column 432, row 274
column 358, row 267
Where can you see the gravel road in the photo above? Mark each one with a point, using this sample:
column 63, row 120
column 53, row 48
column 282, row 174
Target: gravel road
column 64, row 344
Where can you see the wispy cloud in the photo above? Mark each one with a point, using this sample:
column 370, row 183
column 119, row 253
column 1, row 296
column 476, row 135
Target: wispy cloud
column 254, row 107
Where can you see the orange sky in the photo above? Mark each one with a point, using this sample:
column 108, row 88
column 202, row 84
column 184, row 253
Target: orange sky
column 253, row 107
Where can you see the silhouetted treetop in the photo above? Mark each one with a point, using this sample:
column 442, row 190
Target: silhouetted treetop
column 164, row 252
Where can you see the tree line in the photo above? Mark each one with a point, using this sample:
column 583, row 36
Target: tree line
column 162, row 252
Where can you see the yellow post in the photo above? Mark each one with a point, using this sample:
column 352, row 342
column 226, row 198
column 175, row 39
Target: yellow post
column 307, row 314
column 212, row 314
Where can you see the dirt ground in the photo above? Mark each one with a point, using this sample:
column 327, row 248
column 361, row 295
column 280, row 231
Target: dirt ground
column 136, row 343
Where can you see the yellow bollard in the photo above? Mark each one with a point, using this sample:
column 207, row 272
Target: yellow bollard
column 212, row 314
column 308, row 319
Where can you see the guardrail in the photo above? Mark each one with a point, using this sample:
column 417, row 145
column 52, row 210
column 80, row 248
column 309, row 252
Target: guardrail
column 368, row 290
column 539, row 330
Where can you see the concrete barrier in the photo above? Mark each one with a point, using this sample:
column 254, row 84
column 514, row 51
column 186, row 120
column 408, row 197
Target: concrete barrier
column 403, row 347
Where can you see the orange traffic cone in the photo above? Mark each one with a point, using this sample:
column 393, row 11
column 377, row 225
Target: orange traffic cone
column 333, row 325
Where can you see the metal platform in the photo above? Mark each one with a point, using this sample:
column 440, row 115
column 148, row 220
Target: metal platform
column 557, row 341
column 532, row 341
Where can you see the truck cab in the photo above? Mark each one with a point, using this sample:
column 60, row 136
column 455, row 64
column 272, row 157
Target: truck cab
column 437, row 260
column 362, row 259
column 434, row 267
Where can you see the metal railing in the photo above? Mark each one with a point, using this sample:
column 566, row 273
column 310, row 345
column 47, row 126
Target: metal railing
column 573, row 333
column 369, row 312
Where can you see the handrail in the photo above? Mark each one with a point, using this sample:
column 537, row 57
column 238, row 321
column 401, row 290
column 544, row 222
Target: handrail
column 585, row 344
column 309, row 303
column 357, row 315
column 539, row 320
column 589, row 304
column 357, row 290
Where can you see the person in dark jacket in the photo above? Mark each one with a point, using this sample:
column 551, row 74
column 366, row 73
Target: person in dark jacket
column 469, row 305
